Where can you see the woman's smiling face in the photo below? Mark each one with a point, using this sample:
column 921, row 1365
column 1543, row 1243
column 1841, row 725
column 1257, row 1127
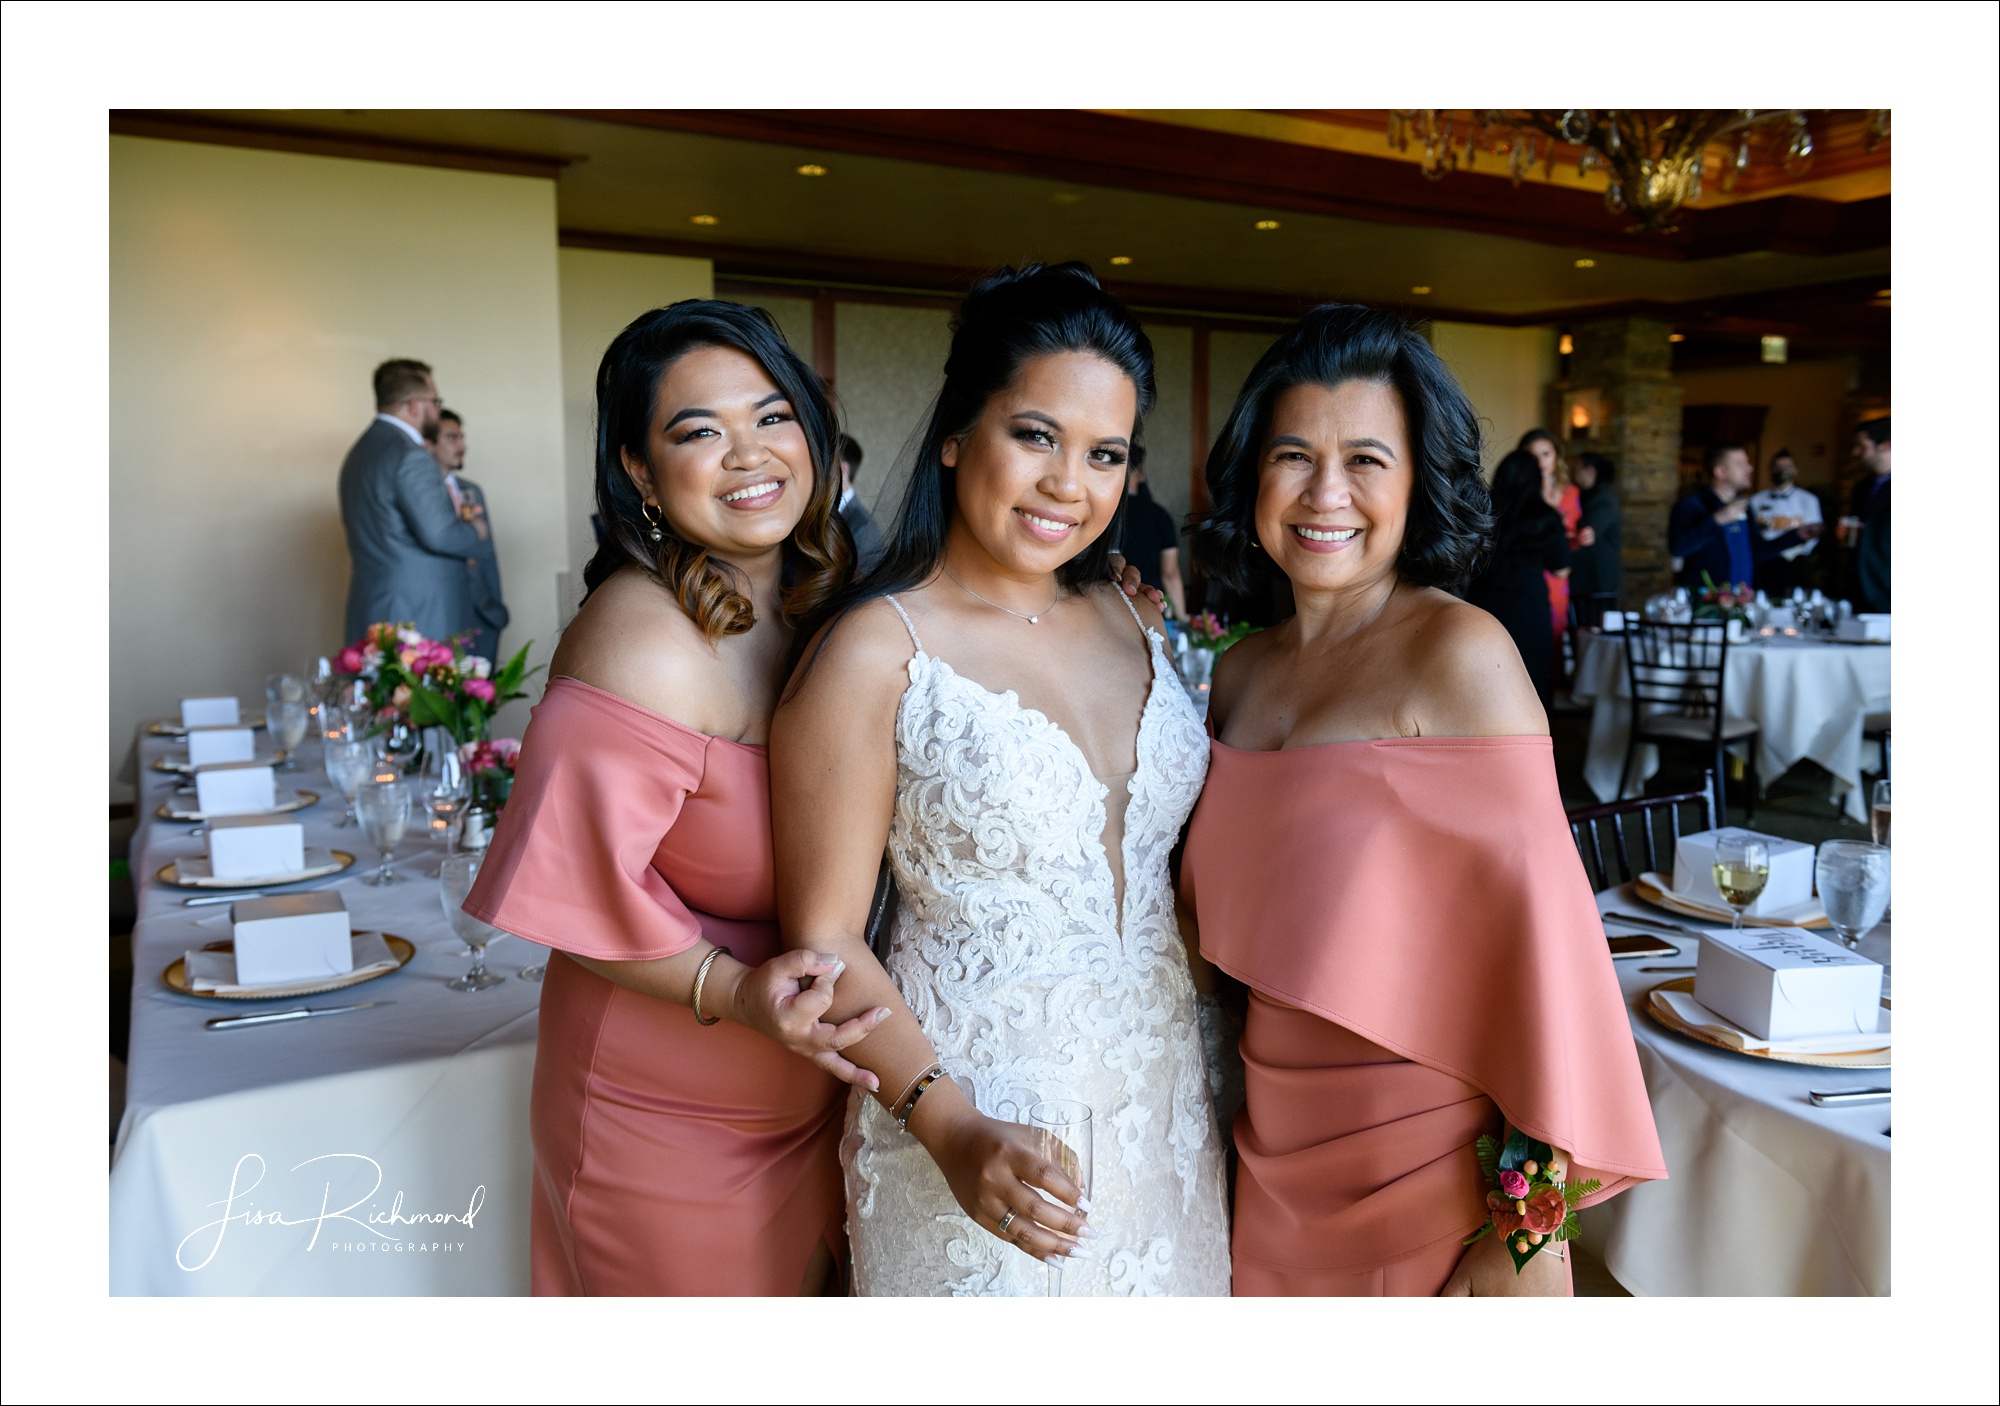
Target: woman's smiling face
column 1334, row 484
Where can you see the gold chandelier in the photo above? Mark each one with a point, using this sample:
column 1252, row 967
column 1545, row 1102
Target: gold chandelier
column 1655, row 159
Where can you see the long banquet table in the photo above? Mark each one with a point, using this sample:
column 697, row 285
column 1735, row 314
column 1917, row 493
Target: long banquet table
column 1766, row 1193
column 1807, row 697
column 344, row 1138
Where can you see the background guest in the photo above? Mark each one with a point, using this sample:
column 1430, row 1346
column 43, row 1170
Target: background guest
column 1777, row 510
column 1710, row 531
column 867, row 536
column 1148, row 538
column 1567, row 500
column 1597, row 568
column 1529, row 545
column 408, row 543
column 1870, row 511
column 489, row 607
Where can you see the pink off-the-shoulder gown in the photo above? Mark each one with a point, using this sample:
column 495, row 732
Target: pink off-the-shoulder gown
column 1425, row 962
column 670, row 1158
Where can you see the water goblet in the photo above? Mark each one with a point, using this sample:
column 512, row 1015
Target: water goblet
column 349, row 760
column 446, row 791
column 455, row 879
column 286, row 688
column 1063, row 1131
column 1742, row 868
column 400, row 747
column 1878, row 814
column 383, row 804
column 1853, row 880
column 286, row 718
column 355, row 705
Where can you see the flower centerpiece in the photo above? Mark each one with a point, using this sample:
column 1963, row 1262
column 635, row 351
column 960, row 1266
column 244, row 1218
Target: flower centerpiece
column 433, row 683
column 1209, row 631
column 489, row 766
column 1530, row 1205
column 1725, row 602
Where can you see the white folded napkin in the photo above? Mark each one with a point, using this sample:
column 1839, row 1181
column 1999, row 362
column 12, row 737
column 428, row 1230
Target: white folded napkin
column 215, row 972
column 195, row 869
column 1693, row 1013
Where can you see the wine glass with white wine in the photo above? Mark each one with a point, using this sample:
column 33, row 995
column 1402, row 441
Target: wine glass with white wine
column 1878, row 814
column 1063, row 1130
column 1742, row 868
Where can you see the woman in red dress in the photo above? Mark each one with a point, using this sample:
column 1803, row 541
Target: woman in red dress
column 1562, row 495
column 672, row 1158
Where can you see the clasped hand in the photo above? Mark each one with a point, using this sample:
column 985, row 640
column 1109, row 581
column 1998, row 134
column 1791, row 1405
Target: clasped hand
column 785, row 999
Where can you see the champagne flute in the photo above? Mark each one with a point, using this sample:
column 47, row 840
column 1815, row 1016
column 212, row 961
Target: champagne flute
column 349, row 760
column 287, row 718
column 1853, row 879
column 1878, row 814
column 1063, row 1130
column 455, row 879
column 383, row 803
column 1742, row 868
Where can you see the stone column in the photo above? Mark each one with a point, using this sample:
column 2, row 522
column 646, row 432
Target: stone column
column 1626, row 361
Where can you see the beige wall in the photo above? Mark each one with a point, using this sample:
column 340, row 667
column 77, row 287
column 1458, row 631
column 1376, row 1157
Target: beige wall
column 1505, row 372
column 601, row 293
column 1804, row 404
column 252, row 293
column 1168, row 451
column 888, row 367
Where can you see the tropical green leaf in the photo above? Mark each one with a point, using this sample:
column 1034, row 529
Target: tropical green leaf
column 1577, row 1190
column 1488, row 1152
column 1521, row 1148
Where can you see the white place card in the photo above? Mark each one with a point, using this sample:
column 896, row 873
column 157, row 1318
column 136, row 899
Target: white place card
column 1864, row 628
column 209, row 745
column 235, row 788
column 1790, row 884
column 1786, row 983
column 209, row 712
column 1613, row 622
column 291, row 937
column 255, row 846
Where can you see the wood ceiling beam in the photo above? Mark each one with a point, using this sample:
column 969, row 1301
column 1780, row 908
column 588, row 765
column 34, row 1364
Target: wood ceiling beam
column 191, row 127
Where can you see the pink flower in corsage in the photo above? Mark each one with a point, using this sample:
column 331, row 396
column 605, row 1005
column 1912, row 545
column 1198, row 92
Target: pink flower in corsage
column 1546, row 1211
column 1513, row 1184
column 1506, row 1219
column 482, row 689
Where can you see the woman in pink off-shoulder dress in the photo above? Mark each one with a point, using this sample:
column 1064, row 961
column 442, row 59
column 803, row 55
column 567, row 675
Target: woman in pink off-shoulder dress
column 679, row 1147
column 1380, row 853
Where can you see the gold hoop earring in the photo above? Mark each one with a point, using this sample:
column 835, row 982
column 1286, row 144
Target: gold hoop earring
column 647, row 511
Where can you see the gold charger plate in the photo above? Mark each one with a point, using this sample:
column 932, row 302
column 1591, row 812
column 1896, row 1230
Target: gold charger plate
column 175, row 976
column 1663, row 1015
column 170, row 873
column 181, row 766
column 1662, row 895
column 299, row 801
column 167, row 727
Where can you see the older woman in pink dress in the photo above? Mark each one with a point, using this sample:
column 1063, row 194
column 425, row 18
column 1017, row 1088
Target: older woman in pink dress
column 1380, row 853
column 672, row 1158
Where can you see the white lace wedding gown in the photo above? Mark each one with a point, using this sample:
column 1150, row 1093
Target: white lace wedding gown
column 1030, row 985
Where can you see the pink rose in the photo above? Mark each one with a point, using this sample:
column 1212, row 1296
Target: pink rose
column 506, row 752
column 350, row 660
column 482, row 689
column 1513, row 1184
column 1506, row 1219
column 1546, row 1211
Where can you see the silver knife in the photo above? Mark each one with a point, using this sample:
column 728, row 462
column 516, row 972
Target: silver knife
column 279, row 891
column 232, row 1022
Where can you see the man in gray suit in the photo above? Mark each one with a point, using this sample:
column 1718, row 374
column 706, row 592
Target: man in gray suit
column 868, row 543
column 409, row 544
column 489, row 608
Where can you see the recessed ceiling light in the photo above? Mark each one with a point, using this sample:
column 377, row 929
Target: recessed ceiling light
column 1121, row 259
column 811, row 168
column 703, row 220
column 1266, row 224
column 1421, row 289
column 1586, row 263
column 1677, row 336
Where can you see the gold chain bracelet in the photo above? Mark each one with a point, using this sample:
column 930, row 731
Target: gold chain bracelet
column 700, row 978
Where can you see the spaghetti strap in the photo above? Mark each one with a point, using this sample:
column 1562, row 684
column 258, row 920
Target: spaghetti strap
column 914, row 637
column 1136, row 619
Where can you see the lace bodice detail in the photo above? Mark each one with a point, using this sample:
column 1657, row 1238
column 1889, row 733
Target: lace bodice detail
column 1010, row 949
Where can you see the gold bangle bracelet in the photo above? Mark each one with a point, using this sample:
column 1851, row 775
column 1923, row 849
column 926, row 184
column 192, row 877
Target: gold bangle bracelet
column 700, row 978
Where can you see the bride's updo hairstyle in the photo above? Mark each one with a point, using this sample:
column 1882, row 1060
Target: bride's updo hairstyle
column 819, row 554
column 1450, row 525
column 1009, row 318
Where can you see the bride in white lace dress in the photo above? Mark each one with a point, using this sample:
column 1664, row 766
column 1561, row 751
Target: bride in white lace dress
column 1012, row 731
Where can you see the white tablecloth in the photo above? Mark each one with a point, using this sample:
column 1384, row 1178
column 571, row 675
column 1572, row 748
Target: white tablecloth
column 1765, row 1193
column 365, row 1128
column 1808, row 699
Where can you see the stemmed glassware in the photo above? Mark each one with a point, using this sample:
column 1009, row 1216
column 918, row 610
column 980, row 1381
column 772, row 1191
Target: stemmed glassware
column 1063, row 1130
column 400, row 746
column 447, row 792
column 1742, row 868
column 1878, row 814
column 383, row 803
column 325, row 693
column 286, row 718
column 349, row 760
column 355, row 708
column 455, row 879
column 1853, row 880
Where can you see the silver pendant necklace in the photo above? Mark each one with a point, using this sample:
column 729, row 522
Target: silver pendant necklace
column 1034, row 619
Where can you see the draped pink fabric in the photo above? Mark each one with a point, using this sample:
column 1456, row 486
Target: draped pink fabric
column 1424, row 895
column 670, row 1158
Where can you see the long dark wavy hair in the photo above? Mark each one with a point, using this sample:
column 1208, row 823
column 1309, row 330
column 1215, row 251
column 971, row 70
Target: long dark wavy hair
column 1009, row 318
column 818, row 556
column 1450, row 525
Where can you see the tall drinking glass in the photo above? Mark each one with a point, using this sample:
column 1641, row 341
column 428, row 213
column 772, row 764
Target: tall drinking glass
column 286, row 718
column 447, row 790
column 455, row 878
column 383, row 803
column 349, row 760
column 1742, row 868
column 1063, row 1129
column 1853, row 879
column 286, row 688
column 1878, row 814
column 355, row 707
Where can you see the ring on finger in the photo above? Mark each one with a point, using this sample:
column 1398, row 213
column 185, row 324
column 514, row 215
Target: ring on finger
column 1005, row 1221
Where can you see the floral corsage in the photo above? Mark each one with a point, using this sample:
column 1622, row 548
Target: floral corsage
column 1529, row 1205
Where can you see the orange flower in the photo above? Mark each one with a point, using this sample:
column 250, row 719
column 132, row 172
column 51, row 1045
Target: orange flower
column 1546, row 1211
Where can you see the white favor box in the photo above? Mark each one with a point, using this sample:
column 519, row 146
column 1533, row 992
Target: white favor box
column 1790, row 884
column 1784, row 983
column 209, row 745
column 209, row 712
column 255, row 846
column 235, row 788
column 1613, row 622
column 291, row 937
column 1864, row 627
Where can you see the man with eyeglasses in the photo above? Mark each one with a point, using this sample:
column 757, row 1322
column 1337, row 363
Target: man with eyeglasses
column 408, row 542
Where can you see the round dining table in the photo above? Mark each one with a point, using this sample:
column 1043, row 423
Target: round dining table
column 1766, row 1192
